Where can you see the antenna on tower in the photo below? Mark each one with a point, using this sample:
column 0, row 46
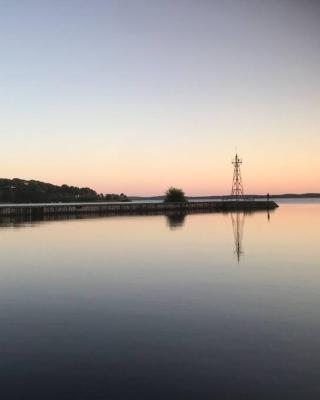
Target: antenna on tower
column 237, row 187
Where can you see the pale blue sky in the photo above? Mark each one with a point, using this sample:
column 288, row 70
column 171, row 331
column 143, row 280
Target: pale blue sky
column 135, row 96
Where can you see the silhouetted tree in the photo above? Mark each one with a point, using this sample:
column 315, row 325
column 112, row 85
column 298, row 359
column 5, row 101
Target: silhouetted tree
column 175, row 195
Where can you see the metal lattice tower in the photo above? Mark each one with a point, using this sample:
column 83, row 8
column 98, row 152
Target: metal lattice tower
column 237, row 188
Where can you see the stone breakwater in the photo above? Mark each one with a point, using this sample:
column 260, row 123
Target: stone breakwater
column 41, row 210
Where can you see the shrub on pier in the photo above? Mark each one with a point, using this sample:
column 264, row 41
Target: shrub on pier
column 175, row 195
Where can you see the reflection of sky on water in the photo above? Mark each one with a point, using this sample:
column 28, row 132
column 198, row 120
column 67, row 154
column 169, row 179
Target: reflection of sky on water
column 124, row 306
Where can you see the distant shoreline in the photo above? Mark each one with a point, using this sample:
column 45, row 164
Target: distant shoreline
column 251, row 196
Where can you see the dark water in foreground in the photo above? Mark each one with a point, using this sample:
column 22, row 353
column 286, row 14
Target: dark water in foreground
column 210, row 306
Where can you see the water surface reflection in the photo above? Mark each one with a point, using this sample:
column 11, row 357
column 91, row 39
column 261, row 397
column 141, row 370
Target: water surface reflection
column 176, row 220
column 127, row 307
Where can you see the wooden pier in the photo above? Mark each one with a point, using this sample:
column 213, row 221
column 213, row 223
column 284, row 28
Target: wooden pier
column 60, row 209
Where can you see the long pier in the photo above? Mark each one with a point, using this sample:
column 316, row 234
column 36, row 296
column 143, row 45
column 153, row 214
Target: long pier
column 104, row 208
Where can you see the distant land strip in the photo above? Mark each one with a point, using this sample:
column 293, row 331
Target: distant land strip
column 249, row 196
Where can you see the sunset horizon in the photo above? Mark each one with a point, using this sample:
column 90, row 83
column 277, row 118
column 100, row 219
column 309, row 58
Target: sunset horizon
column 138, row 96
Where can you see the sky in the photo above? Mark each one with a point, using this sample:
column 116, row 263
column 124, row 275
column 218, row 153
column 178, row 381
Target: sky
column 136, row 96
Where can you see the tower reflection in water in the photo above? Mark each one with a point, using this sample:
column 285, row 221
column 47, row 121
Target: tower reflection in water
column 237, row 220
column 177, row 220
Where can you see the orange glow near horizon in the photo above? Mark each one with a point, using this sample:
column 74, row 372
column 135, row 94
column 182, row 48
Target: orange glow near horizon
column 196, row 178
column 201, row 171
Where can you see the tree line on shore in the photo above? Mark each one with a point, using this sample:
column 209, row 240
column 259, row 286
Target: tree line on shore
column 32, row 191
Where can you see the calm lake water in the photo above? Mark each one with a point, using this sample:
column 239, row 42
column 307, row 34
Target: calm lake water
column 206, row 306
